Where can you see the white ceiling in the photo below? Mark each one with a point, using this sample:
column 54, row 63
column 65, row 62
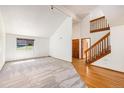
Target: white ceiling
column 80, row 11
column 31, row 20
column 40, row 20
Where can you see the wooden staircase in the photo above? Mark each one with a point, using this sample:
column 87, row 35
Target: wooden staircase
column 98, row 50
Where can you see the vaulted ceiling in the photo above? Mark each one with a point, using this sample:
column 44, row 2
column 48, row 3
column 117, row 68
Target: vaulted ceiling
column 31, row 20
column 39, row 20
column 43, row 22
column 80, row 10
column 77, row 12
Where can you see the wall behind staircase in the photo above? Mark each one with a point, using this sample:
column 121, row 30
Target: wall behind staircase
column 115, row 60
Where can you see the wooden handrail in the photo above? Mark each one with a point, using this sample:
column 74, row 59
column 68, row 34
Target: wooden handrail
column 98, row 41
column 99, row 24
column 97, row 18
column 98, row 49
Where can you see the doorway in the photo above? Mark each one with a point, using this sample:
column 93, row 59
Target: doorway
column 85, row 44
column 75, row 48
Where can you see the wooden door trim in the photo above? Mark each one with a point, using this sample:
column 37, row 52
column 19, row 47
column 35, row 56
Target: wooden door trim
column 82, row 46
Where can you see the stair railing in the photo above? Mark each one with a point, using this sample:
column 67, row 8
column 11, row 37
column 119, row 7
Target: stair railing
column 99, row 49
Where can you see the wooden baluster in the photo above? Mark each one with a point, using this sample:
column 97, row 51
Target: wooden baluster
column 89, row 55
column 101, row 48
column 106, row 23
column 96, row 51
column 92, row 54
column 103, row 41
column 97, row 24
column 107, row 44
column 101, row 24
column 103, row 21
column 93, row 25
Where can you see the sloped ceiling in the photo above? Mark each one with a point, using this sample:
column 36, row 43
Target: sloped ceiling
column 77, row 12
column 31, row 20
column 43, row 22
column 80, row 10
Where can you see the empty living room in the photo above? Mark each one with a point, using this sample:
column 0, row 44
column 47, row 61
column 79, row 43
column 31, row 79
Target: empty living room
column 61, row 46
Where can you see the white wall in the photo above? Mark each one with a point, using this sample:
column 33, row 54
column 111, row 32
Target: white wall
column 76, row 31
column 41, row 48
column 85, row 26
column 115, row 60
column 61, row 41
column 114, row 13
column 2, row 42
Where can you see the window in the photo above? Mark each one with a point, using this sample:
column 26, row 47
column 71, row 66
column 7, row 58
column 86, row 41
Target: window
column 25, row 43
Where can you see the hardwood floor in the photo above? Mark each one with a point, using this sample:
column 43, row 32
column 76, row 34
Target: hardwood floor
column 96, row 77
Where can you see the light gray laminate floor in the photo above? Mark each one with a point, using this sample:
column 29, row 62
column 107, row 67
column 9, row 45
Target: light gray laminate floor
column 45, row 72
